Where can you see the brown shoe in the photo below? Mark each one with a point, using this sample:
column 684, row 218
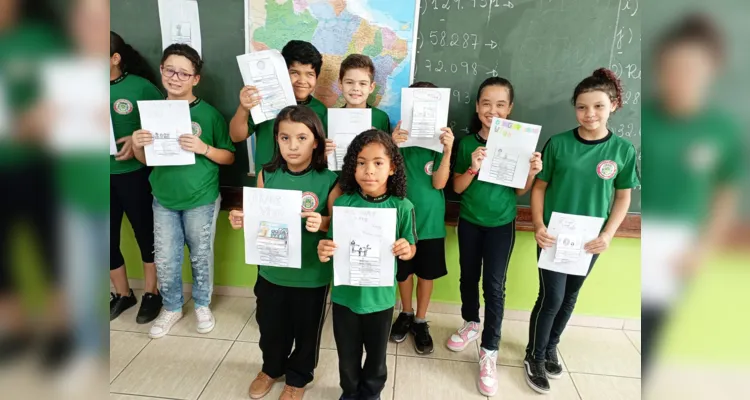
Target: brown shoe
column 261, row 386
column 292, row 393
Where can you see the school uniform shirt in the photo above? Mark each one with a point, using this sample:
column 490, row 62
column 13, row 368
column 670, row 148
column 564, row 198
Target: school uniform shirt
column 366, row 300
column 692, row 158
column 265, row 146
column 380, row 119
column 429, row 203
column 189, row 186
column 124, row 93
column 483, row 203
column 315, row 186
column 582, row 175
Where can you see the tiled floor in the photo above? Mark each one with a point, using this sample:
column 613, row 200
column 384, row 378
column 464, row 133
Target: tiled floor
column 599, row 363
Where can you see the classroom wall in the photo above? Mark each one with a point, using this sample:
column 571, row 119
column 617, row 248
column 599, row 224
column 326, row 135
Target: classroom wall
column 612, row 290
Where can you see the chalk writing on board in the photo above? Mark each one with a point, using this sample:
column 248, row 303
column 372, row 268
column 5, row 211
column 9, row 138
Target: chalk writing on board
column 461, row 68
column 447, row 39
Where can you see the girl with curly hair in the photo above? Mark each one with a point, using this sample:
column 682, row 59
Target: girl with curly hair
column 587, row 171
column 373, row 176
column 486, row 232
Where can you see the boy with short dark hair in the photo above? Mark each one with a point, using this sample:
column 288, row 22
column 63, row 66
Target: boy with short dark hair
column 357, row 80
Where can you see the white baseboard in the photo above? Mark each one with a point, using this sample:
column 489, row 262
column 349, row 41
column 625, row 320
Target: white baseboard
column 588, row 321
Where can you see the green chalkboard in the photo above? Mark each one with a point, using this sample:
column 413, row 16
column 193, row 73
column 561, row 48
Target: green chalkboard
column 222, row 34
column 544, row 47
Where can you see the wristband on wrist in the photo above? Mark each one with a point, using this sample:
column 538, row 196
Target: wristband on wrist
column 471, row 171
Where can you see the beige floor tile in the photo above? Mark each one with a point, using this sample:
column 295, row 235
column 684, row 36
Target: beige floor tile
column 513, row 340
column 328, row 341
column 600, row 351
column 239, row 368
column 123, row 347
column 172, row 367
column 426, row 378
column 512, row 385
column 113, row 396
column 231, row 314
column 442, row 326
column 635, row 337
column 250, row 333
column 596, row 322
column 597, row 387
column 126, row 320
column 632, row 324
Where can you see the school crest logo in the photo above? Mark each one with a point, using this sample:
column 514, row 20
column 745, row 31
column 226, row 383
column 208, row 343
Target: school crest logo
column 428, row 167
column 606, row 169
column 309, row 201
column 197, row 129
column 123, row 107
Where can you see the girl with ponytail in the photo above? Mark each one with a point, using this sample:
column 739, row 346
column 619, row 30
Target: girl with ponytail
column 586, row 170
column 131, row 80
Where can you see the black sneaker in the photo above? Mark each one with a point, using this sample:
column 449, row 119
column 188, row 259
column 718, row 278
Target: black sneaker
column 536, row 377
column 150, row 308
column 552, row 365
column 422, row 338
column 118, row 304
column 401, row 327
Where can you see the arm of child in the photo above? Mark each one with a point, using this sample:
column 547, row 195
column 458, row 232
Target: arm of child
column 441, row 175
column 619, row 211
column 238, row 126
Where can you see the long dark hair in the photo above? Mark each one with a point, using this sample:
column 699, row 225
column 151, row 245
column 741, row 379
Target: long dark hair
column 602, row 80
column 303, row 115
column 396, row 182
column 476, row 123
column 132, row 62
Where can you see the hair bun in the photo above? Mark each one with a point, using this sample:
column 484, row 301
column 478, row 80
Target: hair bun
column 608, row 75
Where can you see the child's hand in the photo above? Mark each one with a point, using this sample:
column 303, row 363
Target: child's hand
column 446, row 139
column 313, row 221
column 399, row 135
column 190, row 142
column 330, row 147
column 326, row 248
column 543, row 239
column 249, row 97
column 126, row 153
column 142, row 138
column 598, row 245
column 237, row 219
column 477, row 157
column 536, row 164
column 402, row 249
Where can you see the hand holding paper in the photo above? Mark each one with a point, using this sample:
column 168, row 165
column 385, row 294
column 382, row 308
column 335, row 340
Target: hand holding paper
column 598, row 245
column 326, row 250
column 266, row 72
column 567, row 255
column 313, row 221
column 402, row 249
column 424, row 111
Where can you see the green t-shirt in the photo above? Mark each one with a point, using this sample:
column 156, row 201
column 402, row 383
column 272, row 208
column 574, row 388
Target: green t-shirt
column 315, row 187
column 23, row 51
column 483, row 203
column 582, row 175
column 366, row 300
column 124, row 93
column 189, row 186
column 429, row 203
column 265, row 146
column 689, row 159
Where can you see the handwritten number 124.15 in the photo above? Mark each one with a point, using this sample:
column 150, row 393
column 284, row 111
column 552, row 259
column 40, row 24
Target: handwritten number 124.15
column 463, row 67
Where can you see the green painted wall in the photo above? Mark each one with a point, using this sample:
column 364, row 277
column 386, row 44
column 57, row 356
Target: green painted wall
column 612, row 290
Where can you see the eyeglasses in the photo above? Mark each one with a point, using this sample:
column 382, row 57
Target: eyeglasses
column 169, row 72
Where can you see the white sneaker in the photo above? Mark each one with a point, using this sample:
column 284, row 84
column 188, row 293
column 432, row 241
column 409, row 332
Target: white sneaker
column 205, row 318
column 164, row 323
column 487, row 372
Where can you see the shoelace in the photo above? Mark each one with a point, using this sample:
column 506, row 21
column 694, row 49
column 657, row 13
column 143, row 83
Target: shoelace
column 165, row 317
column 423, row 334
column 203, row 313
column 537, row 369
column 552, row 357
column 486, row 363
column 467, row 326
column 291, row 390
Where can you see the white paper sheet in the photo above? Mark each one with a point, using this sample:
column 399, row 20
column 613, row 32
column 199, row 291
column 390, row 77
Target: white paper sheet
column 561, row 226
column 75, row 90
column 344, row 124
column 5, row 115
column 424, row 112
column 167, row 120
column 273, row 228
column 664, row 244
column 365, row 238
column 267, row 71
column 112, row 141
column 510, row 146
column 180, row 23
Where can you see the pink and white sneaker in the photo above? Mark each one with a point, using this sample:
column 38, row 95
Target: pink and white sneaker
column 487, row 372
column 468, row 333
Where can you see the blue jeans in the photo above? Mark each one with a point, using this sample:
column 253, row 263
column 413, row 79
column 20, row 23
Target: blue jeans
column 174, row 229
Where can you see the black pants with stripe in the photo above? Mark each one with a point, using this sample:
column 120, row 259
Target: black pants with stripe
column 558, row 293
column 485, row 253
column 353, row 332
column 289, row 316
